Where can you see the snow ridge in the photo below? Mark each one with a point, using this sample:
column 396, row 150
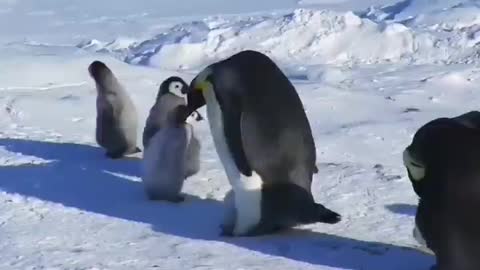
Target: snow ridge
column 307, row 36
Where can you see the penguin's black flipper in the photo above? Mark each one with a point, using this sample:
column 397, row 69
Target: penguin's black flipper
column 226, row 230
column 233, row 137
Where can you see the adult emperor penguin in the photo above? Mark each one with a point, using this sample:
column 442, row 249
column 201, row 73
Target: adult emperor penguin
column 264, row 140
column 116, row 123
column 443, row 166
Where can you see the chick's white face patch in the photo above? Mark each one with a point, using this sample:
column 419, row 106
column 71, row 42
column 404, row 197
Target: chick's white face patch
column 417, row 170
column 175, row 87
column 192, row 118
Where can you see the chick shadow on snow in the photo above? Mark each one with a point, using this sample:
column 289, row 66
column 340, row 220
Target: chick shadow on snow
column 80, row 176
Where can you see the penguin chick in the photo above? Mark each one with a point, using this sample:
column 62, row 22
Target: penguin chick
column 116, row 122
column 172, row 155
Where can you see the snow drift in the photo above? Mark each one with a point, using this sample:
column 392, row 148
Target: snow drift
column 307, row 36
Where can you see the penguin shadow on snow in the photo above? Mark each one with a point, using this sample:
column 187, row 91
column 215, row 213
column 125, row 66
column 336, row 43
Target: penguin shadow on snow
column 80, row 176
column 337, row 251
column 402, row 209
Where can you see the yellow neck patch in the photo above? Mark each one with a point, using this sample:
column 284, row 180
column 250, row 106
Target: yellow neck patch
column 204, row 86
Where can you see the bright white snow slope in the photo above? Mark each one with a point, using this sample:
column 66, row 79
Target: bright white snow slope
column 369, row 73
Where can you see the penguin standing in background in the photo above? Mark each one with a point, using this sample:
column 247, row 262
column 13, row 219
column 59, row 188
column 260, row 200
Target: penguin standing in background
column 442, row 163
column 264, row 140
column 116, row 123
column 172, row 155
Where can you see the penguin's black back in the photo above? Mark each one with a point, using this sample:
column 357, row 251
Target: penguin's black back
column 469, row 119
column 449, row 193
column 265, row 119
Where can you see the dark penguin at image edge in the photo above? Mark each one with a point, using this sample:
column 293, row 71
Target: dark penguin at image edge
column 264, row 140
column 442, row 165
column 116, row 121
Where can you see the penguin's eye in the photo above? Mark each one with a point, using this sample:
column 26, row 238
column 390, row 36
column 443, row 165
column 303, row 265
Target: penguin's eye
column 175, row 87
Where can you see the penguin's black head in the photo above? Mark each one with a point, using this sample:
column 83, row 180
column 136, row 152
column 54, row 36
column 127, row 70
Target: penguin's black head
column 98, row 70
column 174, row 85
column 450, row 189
column 425, row 149
column 200, row 84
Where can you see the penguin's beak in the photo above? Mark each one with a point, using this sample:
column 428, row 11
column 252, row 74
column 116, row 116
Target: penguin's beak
column 199, row 117
column 195, row 99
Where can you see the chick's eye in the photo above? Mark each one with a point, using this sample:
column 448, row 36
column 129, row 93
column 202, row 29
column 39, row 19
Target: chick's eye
column 175, row 86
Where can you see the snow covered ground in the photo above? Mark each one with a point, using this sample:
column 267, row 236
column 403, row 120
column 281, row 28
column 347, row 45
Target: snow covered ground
column 369, row 73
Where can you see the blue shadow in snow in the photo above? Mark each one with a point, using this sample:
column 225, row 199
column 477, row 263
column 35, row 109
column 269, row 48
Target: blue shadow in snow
column 81, row 177
column 403, row 209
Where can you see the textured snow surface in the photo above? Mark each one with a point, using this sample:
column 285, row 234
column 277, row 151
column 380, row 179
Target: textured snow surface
column 369, row 73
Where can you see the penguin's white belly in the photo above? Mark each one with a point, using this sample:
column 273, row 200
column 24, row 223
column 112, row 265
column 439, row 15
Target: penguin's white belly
column 247, row 190
column 216, row 127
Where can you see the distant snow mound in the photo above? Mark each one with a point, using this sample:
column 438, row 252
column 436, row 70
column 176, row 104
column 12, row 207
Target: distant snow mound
column 420, row 9
column 305, row 37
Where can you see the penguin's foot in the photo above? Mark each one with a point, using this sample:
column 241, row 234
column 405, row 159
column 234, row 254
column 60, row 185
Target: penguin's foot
column 264, row 229
column 190, row 172
column 228, row 224
column 114, row 155
column 176, row 199
column 133, row 151
column 226, row 231
column 326, row 215
column 259, row 230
